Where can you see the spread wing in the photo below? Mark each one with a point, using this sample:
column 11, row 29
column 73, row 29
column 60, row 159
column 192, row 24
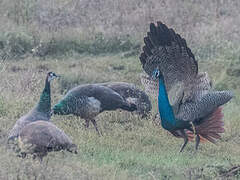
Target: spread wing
column 189, row 92
column 168, row 51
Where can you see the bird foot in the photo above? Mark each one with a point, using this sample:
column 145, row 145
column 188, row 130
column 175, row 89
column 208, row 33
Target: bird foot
column 197, row 137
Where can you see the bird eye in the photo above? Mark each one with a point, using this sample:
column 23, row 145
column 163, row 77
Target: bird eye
column 157, row 73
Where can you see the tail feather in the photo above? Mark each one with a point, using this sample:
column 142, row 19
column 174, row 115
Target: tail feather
column 190, row 135
column 209, row 130
column 210, row 139
column 212, row 126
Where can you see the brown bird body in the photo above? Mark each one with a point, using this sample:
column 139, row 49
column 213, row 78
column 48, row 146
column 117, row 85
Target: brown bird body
column 40, row 137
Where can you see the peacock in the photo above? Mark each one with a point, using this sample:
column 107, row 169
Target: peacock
column 187, row 103
column 40, row 137
column 88, row 100
column 40, row 112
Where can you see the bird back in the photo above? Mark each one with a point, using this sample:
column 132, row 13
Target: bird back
column 43, row 135
column 78, row 97
column 132, row 94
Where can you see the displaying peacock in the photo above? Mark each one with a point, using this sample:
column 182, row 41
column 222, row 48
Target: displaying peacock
column 186, row 101
column 40, row 137
column 88, row 100
column 40, row 112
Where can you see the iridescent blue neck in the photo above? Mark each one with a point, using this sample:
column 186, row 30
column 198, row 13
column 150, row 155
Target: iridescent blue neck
column 166, row 113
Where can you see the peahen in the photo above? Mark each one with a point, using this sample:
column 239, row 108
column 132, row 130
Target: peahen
column 133, row 95
column 40, row 112
column 186, row 101
column 40, row 137
column 87, row 101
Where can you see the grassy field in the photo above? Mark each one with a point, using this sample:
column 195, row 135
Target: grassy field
column 131, row 148
column 99, row 41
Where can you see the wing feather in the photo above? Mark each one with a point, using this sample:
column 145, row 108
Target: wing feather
column 189, row 92
column 150, row 86
column 168, row 51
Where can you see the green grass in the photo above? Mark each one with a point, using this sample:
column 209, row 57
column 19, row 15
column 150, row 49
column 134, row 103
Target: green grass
column 131, row 148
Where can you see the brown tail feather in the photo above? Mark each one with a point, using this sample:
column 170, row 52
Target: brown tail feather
column 191, row 136
column 209, row 130
column 212, row 126
column 210, row 139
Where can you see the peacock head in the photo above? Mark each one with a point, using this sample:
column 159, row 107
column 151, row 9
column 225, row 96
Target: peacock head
column 51, row 76
column 157, row 74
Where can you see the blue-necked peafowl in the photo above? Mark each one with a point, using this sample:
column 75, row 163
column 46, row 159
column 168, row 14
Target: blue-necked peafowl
column 40, row 112
column 186, row 101
column 40, row 137
column 87, row 101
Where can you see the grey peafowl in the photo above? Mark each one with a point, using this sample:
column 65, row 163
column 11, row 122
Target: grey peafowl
column 40, row 137
column 187, row 103
column 40, row 112
column 133, row 95
column 87, row 101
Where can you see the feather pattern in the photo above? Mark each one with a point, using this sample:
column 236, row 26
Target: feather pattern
column 132, row 95
column 150, row 85
column 40, row 137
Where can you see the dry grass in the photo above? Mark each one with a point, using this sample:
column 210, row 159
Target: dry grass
column 69, row 27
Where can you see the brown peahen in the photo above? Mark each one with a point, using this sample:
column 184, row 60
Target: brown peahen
column 40, row 137
column 187, row 102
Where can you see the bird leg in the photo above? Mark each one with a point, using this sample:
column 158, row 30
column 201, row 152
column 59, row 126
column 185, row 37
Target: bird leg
column 197, row 142
column 197, row 136
column 193, row 127
column 185, row 137
column 95, row 125
column 86, row 123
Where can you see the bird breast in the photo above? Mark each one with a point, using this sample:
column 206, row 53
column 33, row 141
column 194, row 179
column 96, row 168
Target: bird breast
column 90, row 109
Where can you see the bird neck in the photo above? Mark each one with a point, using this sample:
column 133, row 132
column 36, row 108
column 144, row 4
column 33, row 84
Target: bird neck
column 168, row 120
column 66, row 106
column 44, row 104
